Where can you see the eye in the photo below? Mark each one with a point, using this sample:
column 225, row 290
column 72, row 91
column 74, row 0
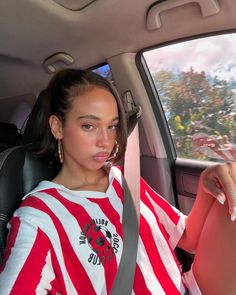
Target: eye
column 113, row 127
column 87, row 127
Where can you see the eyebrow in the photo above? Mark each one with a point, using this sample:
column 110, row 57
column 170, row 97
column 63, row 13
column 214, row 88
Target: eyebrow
column 93, row 117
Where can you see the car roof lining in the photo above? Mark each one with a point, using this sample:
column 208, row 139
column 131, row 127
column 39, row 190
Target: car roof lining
column 38, row 29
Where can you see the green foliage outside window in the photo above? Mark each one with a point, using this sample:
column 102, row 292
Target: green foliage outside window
column 196, row 84
column 195, row 103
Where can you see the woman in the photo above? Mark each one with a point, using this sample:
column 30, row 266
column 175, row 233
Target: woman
column 66, row 237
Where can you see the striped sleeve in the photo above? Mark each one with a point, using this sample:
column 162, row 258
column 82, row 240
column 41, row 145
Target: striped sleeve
column 27, row 262
column 170, row 217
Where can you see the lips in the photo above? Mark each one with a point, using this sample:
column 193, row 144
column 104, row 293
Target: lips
column 101, row 157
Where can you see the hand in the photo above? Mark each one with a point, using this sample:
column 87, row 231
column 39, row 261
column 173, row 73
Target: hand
column 220, row 182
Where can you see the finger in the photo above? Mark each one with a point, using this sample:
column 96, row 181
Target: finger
column 211, row 187
column 228, row 183
column 220, row 182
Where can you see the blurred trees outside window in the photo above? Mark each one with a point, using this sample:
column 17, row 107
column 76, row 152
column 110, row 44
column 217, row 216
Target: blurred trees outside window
column 196, row 84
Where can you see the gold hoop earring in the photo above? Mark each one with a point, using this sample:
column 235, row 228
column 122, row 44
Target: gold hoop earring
column 60, row 151
column 114, row 151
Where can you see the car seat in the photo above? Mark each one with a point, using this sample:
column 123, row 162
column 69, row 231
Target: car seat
column 9, row 135
column 20, row 171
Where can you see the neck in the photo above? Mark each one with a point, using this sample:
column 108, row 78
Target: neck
column 95, row 180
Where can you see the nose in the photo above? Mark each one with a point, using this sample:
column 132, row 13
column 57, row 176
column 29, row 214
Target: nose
column 103, row 138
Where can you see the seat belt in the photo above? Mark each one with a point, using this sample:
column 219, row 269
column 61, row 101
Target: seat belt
column 132, row 153
column 123, row 283
column 132, row 167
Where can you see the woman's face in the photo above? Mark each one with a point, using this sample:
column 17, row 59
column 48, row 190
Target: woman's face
column 90, row 129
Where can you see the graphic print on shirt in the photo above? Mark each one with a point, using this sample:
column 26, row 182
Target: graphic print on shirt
column 104, row 245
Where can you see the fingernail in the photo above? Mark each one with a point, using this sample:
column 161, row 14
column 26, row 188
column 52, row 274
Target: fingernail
column 221, row 198
column 233, row 214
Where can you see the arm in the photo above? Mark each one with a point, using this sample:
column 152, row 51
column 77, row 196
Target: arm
column 26, row 258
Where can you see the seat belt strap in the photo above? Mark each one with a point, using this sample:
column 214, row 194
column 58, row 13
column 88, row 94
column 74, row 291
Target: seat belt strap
column 132, row 153
column 132, row 167
column 123, row 282
column 124, row 279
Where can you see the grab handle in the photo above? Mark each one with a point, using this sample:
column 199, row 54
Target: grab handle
column 208, row 7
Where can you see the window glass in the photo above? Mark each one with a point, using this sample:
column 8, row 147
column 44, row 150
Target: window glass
column 196, row 84
column 104, row 71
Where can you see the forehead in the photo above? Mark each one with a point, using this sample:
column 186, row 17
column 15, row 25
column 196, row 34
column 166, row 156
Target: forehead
column 97, row 101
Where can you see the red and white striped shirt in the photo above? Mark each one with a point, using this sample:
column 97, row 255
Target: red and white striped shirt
column 70, row 242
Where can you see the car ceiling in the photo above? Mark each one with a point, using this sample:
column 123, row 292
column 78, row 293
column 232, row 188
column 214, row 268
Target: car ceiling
column 33, row 30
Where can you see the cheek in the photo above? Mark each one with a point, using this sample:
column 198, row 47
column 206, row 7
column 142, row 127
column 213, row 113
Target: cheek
column 75, row 137
column 113, row 136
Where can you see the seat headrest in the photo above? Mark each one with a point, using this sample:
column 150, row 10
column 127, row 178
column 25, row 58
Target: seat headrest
column 31, row 134
column 9, row 134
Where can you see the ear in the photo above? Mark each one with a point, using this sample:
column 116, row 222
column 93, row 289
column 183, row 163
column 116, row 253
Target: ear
column 56, row 127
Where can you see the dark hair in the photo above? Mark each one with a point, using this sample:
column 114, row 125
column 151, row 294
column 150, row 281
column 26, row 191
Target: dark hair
column 61, row 90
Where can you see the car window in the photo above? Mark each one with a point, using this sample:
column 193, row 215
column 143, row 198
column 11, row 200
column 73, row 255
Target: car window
column 104, row 70
column 196, row 84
